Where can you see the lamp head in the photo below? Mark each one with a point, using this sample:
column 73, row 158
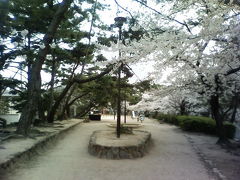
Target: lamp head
column 119, row 21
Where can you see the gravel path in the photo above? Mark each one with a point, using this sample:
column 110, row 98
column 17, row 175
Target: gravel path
column 170, row 158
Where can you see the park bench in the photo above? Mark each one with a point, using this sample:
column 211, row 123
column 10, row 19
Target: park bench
column 3, row 123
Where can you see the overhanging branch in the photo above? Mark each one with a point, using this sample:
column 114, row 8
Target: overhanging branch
column 92, row 78
column 165, row 16
column 232, row 71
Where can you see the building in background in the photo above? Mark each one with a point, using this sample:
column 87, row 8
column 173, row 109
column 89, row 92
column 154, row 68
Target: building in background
column 6, row 111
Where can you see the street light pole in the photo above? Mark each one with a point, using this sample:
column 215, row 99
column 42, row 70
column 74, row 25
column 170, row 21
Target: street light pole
column 119, row 102
column 119, row 23
column 125, row 109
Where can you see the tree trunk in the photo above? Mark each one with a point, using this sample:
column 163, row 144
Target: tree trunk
column 85, row 111
column 41, row 110
column 183, row 108
column 53, row 74
column 235, row 106
column 53, row 110
column 214, row 102
column 64, row 114
column 114, row 114
column 30, row 109
column 68, row 104
column 68, row 111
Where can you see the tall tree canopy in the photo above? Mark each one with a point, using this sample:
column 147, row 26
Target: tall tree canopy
column 198, row 41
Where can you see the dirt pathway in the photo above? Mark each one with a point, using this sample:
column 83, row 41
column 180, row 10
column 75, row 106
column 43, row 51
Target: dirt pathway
column 170, row 158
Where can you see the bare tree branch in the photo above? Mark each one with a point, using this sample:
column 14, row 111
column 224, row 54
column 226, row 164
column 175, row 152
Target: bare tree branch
column 232, row 71
column 124, row 9
column 165, row 16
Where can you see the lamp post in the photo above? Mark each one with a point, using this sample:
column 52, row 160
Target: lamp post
column 125, row 108
column 119, row 23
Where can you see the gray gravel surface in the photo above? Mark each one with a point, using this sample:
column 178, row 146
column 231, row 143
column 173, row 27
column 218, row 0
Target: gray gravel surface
column 171, row 157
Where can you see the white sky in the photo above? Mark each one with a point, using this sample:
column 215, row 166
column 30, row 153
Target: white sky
column 142, row 70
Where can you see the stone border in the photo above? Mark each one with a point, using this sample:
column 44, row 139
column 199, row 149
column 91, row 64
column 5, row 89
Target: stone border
column 130, row 125
column 35, row 147
column 120, row 151
column 208, row 163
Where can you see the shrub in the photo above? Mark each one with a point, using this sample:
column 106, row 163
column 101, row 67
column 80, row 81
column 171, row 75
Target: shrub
column 146, row 113
column 203, row 124
column 3, row 122
column 229, row 129
column 168, row 118
column 154, row 115
column 197, row 124
column 126, row 130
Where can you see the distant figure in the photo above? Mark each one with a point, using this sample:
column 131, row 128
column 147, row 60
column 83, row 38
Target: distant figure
column 141, row 117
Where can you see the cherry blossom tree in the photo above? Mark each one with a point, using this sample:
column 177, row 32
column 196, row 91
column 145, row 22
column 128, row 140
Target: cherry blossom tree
column 168, row 100
column 197, row 40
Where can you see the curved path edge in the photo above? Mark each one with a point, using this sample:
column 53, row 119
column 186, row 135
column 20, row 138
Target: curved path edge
column 33, row 148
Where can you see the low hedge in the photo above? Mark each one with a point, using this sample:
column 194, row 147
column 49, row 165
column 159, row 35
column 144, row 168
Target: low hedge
column 197, row 124
column 3, row 122
column 168, row 118
column 204, row 124
column 229, row 129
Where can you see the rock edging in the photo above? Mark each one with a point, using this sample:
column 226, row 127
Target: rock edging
column 35, row 148
column 208, row 163
column 118, row 149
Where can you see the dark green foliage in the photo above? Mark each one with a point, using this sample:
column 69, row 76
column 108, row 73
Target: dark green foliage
column 137, row 91
column 3, row 122
column 4, row 105
column 107, row 41
column 229, row 129
column 153, row 114
column 4, row 8
column 100, row 58
column 196, row 124
column 126, row 130
column 147, row 114
column 168, row 118
column 203, row 124
column 7, row 82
